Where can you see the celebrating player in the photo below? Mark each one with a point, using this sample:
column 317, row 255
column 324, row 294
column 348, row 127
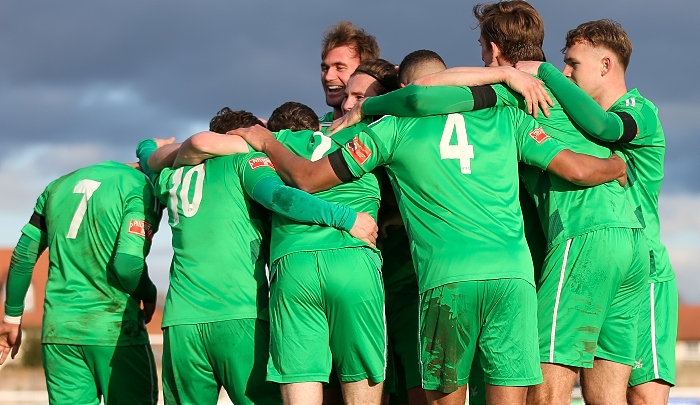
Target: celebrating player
column 597, row 55
column 97, row 223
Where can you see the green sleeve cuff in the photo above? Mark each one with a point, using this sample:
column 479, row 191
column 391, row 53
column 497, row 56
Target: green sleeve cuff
column 300, row 206
column 19, row 277
column 144, row 150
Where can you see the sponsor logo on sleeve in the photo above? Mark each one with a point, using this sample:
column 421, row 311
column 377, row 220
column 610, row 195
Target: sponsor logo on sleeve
column 359, row 151
column 539, row 135
column 261, row 162
column 141, row 228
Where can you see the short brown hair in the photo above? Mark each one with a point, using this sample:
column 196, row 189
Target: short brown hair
column 294, row 116
column 606, row 33
column 515, row 26
column 227, row 120
column 382, row 71
column 346, row 33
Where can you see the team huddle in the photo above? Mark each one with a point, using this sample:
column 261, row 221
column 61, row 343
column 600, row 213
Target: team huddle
column 483, row 232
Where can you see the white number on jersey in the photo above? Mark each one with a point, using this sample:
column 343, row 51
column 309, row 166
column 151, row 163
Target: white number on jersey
column 322, row 147
column 189, row 209
column 86, row 188
column 462, row 150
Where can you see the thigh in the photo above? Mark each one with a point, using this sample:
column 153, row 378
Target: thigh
column 508, row 345
column 299, row 335
column 655, row 358
column 579, row 280
column 623, row 315
column 238, row 350
column 124, row 374
column 449, row 328
column 68, row 377
column 188, row 377
column 354, row 304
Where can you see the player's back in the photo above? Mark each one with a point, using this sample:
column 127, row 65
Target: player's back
column 218, row 267
column 645, row 167
column 567, row 210
column 362, row 195
column 457, row 186
column 85, row 303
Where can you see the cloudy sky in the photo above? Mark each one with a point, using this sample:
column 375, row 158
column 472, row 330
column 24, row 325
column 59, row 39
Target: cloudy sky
column 83, row 81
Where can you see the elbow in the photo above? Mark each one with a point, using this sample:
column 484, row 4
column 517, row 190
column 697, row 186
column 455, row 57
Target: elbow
column 198, row 142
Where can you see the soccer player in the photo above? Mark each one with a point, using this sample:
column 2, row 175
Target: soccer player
column 216, row 328
column 592, row 283
column 97, row 223
column 593, row 92
column 459, row 204
column 372, row 78
column 344, row 47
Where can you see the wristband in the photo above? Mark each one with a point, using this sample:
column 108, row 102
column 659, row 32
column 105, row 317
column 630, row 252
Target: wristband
column 13, row 320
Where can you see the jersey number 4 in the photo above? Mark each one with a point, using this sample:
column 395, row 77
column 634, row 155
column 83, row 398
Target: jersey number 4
column 86, row 188
column 462, row 150
column 189, row 208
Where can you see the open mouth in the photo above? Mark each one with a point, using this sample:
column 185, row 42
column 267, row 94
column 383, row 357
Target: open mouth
column 334, row 89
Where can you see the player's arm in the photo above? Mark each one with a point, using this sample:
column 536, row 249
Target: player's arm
column 139, row 224
column 529, row 87
column 205, row 145
column 539, row 149
column 294, row 170
column 29, row 247
column 584, row 110
column 150, row 146
column 263, row 185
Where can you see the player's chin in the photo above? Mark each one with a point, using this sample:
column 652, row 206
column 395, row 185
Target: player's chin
column 334, row 100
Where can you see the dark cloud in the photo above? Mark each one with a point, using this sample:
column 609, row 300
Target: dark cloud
column 115, row 72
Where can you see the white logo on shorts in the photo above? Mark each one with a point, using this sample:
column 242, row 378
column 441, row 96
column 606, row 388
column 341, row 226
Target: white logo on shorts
column 638, row 364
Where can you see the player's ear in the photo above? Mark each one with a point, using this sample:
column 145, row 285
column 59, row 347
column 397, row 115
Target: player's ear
column 606, row 65
column 495, row 50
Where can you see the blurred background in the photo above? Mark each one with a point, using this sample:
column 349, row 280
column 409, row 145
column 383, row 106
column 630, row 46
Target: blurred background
column 83, row 81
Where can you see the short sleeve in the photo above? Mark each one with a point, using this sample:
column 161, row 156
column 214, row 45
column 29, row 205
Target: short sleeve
column 139, row 222
column 371, row 147
column 36, row 228
column 535, row 146
column 254, row 167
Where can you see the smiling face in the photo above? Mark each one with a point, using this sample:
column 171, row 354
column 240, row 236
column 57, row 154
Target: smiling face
column 336, row 69
column 359, row 87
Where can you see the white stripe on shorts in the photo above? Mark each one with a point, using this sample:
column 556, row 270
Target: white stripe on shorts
column 556, row 302
column 653, row 334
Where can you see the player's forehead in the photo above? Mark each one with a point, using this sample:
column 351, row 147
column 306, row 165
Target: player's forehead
column 342, row 55
column 360, row 83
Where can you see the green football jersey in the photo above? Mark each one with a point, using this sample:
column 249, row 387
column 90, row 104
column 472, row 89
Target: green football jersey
column 362, row 195
column 326, row 120
column 645, row 169
column 457, row 187
column 632, row 122
column 91, row 215
column 566, row 210
column 218, row 267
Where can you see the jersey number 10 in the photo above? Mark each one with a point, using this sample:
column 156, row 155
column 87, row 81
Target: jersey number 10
column 189, row 208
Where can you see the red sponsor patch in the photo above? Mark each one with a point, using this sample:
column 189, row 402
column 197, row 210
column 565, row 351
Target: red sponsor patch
column 260, row 162
column 141, row 228
column 539, row 135
column 359, row 151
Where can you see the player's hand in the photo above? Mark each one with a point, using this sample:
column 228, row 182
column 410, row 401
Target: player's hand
column 160, row 142
column 622, row 180
column 393, row 220
column 365, row 229
column 532, row 89
column 352, row 117
column 148, row 309
column 10, row 340
column 256, row 136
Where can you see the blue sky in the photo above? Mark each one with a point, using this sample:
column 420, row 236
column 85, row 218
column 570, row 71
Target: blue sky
column 84, row 81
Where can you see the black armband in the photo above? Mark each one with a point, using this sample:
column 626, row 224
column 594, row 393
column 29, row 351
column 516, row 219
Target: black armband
column 629, row 127
column 39, row 221
column 340, row 166
column 484, row 96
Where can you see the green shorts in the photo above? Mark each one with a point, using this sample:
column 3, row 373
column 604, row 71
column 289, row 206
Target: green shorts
column 327, row 307
column 499, row 317
column 78, row 374
column 199, row 359
column 589, row 296
column 658, row 327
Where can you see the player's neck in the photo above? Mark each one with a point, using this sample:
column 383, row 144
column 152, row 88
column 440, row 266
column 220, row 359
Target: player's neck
column 614, row 89
column 337, row 113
